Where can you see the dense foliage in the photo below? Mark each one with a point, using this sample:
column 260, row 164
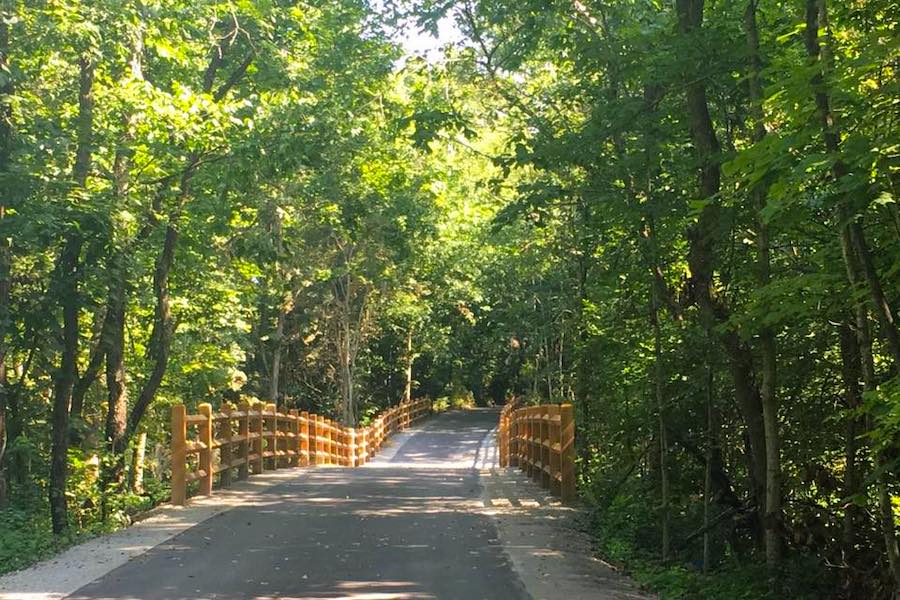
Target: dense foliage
column 682, row 217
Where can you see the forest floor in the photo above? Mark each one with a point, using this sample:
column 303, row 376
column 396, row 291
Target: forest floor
column 431, row 517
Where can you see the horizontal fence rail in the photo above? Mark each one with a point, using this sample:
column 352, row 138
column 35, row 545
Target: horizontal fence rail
column 541, row 441
column 253, row 438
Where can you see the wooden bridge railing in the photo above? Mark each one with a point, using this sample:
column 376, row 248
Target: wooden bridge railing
column 255, row 437
column 541, row 441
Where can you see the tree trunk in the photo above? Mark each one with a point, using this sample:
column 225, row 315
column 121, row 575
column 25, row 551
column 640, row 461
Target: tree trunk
column 816, row 25
column 701, row 256
column 582, row 365
column 851, row 372
column 117, row 404
column 772, row 518
column 64, row 381
column 137, row 463
column 712, row 452
column 278, row 338
column 346, row 359
column 67, row 291
column 88, row 376
column 85, row 124
column 658, row 383
column 857, row 258
column 160, row 344
column 6, row 90
column 407, row 387
column 163, row 329
column 276, row 355
column 113, row 337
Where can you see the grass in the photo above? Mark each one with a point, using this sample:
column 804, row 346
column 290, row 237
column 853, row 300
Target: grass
column 26, row 537
column 25, row 532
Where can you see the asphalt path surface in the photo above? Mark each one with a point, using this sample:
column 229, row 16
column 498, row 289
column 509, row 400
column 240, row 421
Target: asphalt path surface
column 402, row 527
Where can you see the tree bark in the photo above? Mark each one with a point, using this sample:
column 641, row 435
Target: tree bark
column 343, row 291
column 407, row 386
column 137, row 463
column 281, row 309
column 851, row 373
column 67, row 292
column 820, row 54
column 772, row 517
column 118, row 290
column 85, row 124
column 87, row 378
column 163, row 329
column 160, row 344
column 6, row 130
column 117, row 405
column 277, row 340
column 701, row 256
column 658, row 383
column 857, row 257
column 63, row 382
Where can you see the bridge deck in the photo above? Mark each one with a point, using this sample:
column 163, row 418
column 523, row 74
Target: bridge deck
column 406, row 526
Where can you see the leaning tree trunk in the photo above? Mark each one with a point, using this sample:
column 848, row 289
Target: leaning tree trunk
column 861, row 272
column 161, row 336
column 702, row 257
column 820, row 55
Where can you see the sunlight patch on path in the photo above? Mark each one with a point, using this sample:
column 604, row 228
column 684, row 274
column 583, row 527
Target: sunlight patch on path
column 545, row 539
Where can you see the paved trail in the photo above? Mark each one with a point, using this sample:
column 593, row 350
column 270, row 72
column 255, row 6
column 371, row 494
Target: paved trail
column 402, row 527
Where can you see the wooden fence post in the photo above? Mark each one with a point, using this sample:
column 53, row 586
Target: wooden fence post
column 317, row 439
column 332, row 444
column 295, row 442
column 364, row 446
column 179, row 458
column 534, row 433
column 304, row 439
column 351, row 447
column 326, row 441
column 245, row 445
column 567, row 452
column 271, row 435
column 338, row 438
column 503, row 439
column 513, row 438
column 526, row 451
column 545, row 447
column 225, row 448
column 206, row 438
column 258, row 440
column 555, row 450
column 322, row 450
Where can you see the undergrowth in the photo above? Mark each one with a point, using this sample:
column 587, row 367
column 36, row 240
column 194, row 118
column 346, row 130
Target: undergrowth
column 626, row 534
